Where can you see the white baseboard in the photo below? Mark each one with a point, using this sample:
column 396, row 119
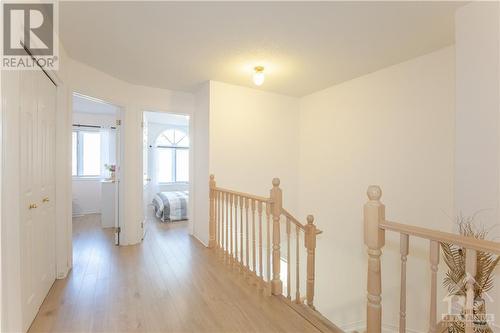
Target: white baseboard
column 395, row 329
column 80, row 214
column 199, row 240
column 358, row 326
column 62, row 274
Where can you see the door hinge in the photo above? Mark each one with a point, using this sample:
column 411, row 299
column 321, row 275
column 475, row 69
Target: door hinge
column 118, row 230
column 118, row 122
column 142, row 225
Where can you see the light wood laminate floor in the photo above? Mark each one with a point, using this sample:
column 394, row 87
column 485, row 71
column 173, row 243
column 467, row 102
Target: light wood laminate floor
column 169, row 283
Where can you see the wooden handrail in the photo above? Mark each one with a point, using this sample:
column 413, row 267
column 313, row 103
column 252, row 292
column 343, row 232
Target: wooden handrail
column 443, row 237
column 242, row 194
column 296, row 221
column 292, row 218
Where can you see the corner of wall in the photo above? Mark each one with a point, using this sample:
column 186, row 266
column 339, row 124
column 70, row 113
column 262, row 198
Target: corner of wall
column 201, row 160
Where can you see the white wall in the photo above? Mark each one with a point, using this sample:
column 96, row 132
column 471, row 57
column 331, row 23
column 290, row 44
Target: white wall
column 94, row 119
column 86, row 196
column 1, row 201
column 11, row 263
column 478, row 111
column 395, row 128
column 64, row 252
column 199, row 155
column 254, row 138
column 1, row 225
column 477, row 154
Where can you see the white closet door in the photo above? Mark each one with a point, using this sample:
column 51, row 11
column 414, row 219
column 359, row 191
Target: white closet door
column 46, row 147
column 30, row 231
column 37, row 181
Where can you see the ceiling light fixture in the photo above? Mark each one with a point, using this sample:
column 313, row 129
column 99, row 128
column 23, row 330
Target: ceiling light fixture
column 258, row 75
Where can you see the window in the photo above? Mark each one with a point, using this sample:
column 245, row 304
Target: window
column 86, row 154
column 173, row 156
column 74, row 166
column 165, row 165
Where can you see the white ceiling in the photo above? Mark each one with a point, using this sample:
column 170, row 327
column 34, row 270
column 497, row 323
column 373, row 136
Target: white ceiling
column 304, row 46
column 86, row 104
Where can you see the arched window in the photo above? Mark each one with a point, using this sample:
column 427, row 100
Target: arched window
column 173, row 138
column 172, row 146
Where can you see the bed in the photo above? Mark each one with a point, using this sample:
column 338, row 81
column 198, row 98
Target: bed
column 171, row 206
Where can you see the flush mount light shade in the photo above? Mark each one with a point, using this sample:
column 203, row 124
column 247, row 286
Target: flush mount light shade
column 258, row 75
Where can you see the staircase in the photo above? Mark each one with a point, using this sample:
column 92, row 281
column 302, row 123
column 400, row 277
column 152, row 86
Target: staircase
column 257, row 237
column 276, row 253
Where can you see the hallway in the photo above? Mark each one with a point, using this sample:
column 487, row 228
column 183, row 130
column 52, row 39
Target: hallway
column 169, row 283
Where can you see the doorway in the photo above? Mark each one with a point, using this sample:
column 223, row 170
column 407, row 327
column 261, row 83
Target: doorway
column 96, row 163
column 166, row 170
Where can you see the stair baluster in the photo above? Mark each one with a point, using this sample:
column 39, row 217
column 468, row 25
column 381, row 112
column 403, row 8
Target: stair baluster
column 247, row 238
column 403, row 250
column 261, row 274
column 242, row 265
column 268, row 246
column 276, row 205
column 211, row 239
column 434, row 259
column 297, row 265
column 237, row 260
column 288, row 261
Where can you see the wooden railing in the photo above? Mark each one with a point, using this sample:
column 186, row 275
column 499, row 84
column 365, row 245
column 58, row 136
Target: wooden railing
column 246, row 230
column 375, row 226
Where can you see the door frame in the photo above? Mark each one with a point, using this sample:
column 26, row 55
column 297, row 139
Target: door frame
column 119, row 160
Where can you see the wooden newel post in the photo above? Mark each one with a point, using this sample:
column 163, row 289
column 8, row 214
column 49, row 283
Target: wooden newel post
column 276, row 206
column 211, row 222
column 310, row 244
column 374, row 214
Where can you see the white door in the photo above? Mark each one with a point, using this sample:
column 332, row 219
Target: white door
column 46, row 147
column 30, row 242
column 37, row 182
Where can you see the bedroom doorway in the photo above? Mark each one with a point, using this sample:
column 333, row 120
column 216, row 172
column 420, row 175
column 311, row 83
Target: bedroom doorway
column 96, row 155
column 166, row 159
